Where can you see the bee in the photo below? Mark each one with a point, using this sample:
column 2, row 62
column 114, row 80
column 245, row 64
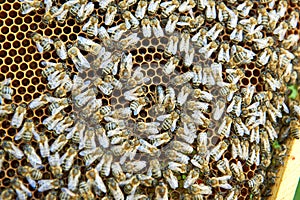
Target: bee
column 43, row 145
column 154, row 169
column 21, row 190
column 263, row 96
column 146, row 27
column 60, row 49
column 52, row 120
column 200, row 189
column 294, row 129
column 91, row 155
column 18, row 116
column 171, row 25
column 189, row 58
column 171, row 49
column 7, row 109
column 49, row 184
column 290, row 41
column 68, row 194
column 169, row 120
column 105, row 87
column 170, row 65
column 200, row 38
column 215, row 31
column 149, row 148
column 59, row 143
column 210, row 12
column 88, row 140
column 225, row 127
column 244, row 8
column 74, row 9
column 148, row 127
column 256, row 181
column 197, row 105
column 201, row 163
column 153, row 6
column 237, row 171
column 117, row 172
column 32, row 156
column 78, row 59
column 294, row 19
column 28, row 6
column 191, row 178
column 94, row 179
column 228, row 90
column 115, row 189
column 8, row 194
column 263, row 43
column 182, row 78
column 68, row 158
column 177, row 167
column 218, row 150
column 43, row 44
column 130, row 20
column 186, row 6
column 281, row 30
column 91, row 27
column 184, row 42
column 104, row 36
column 134, row 166
column 202, row 143
column 209, row 49
column 254, row 156
column 85, row 11
column 201, row 4
column 177, row 156
column 55, row 168
column 220, row 182
column 223, row 55
column 104, row 5
column 104, row 165
column 236, row 148
column 157, row 30
column 263, row 17
column 5, row 91
column 52, row 68
column 223, row 12
column 27, row 131
column 169, row 7
column 235, row 106
column 223, row 166
column 183, row 95
column 160, row 139
column 263, row 57
column 161, row 191
column 282, row 8
column 84, row 97
column 219, row 109
column 137, row 105
column 30, row 174
column 85, row 191
column 170, row 178
column 141, row 9
column 88, row 45
column 130, row 185
column 233, row 19
column 110, row 15
column 64, row 124
column 237, row 34
column 137, row 78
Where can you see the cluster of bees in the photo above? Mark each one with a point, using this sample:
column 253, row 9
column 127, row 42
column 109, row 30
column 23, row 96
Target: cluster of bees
column 203, row 102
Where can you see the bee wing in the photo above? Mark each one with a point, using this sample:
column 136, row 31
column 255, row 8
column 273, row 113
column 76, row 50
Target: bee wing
column 18, row 136
column 86, row 25
column 103, row 140
column 31, row 182
column 25, row 189
column 138, row 110
column 163, row 117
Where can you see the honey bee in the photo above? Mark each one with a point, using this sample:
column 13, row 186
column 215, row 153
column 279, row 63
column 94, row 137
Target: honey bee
column 209, row 49
column 84, row 97
column 137, row 78
column 91, row 155
column 254, row 136
column 52, row 120
column 202, row 95
column 103, row 5
column 197, row 105
column 170, row 65
column 68, row 194
column 290, row 41
column 105, row 87
column 154, row 169
column 141, row 9
column 160, row 139
column 171, row 25
column 237, row 171
column 153, row 6
column 256, row 181
column 218, row 150
column 125, row 66
column 161, row 191
column 43, row 44
column 177, row 156
column 214, row 32
column 244, row 8
column 191, row 178
column 117, row 171
column 91, row 27
column 52, row 68
column 170, row 178
column 200, row 38
column 177, row 167
column 60, row 49
column 55, row 168
column 183, row 78
column 147, row 147
column 137, row 105
column 225, row 127
column 30, row 174
column 210, row 12
column 27, row 131
column 32, row 156
column 294, row 129
column 146, row 27
column 219, row 109
column 85, row 191
column 5, row 91
column 130, row 20
column 115, row 189
column 254, row 156
column 186, row 6
column 28, row 6
column 171, row 49
column 116, row 32
column 78, row 59
column 94, row 179
column 189, row 58
column 294, row 19
column 148, row 127
column 228, row 90
column 200, row 189
column 134, row 166
column 104, row 36
column 235, row 106
column 59, row 143
column 223, row 55
column 223, row 166
column 8, row 194
column 126, row 149
column 157, row 30
column 202, row 163
column 202, row 143
column 85, row 11
column 88, row 45
column 233, row 19
column 263, row 43
column 236, row 147
column 281, row 30
column 46, row 184
column 169, row 7
column 223, row 12
column 110, row 15
column 169, row 120
column 130, row 185
column 104, row 165
column 43, row 145
column 21, row 190
column 18, row 116
column 68, row 158
column 64, row 124
column 220, row 182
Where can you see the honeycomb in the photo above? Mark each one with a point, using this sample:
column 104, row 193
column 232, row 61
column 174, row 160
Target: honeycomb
column 21, row 61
